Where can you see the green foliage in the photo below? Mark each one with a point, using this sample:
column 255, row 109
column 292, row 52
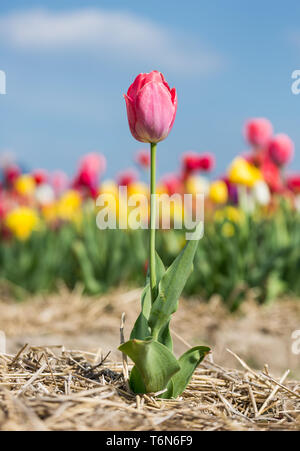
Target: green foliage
column 155, row 363
column 263, row 253
column 150, row 346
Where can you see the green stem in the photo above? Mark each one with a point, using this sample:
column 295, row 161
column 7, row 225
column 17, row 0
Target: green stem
column 152, row 223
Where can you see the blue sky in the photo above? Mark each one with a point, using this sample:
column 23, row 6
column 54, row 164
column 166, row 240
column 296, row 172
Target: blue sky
column 69, row 62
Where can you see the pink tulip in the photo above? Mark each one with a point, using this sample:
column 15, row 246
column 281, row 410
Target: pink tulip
column 172, row 183
column 59, row 182
column 91, row 166
column 258, row 132
column 143, row 158
column 93, row 163
column 127, row 177
column 151, row 107
column 281, row 149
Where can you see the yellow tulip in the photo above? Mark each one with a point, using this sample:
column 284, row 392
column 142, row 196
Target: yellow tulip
column 69, row 206
column 50, row 212
column 22, row 221
column 218, row 192
column 138, row 188
column 232, row 214
column 197, row 185
column 243, row 173
column 109, row 187
column 25, row 185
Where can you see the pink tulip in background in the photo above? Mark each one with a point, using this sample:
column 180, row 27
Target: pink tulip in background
column 143, row 158
column 151, row 107
column 258, row 132
column 172, row 183
column 59, row 181
column 91, row 166
column 281, row 149
column 127, row 177
column 93, row 163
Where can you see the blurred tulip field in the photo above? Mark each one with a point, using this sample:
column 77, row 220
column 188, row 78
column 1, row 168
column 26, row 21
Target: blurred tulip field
column 251, row 242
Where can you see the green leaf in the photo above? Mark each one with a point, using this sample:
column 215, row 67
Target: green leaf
column 164, row 336
column 188, row 363
column 136, row 381
column 141, row 328
column 92, row 285
column 171, row 286
column 155, row 363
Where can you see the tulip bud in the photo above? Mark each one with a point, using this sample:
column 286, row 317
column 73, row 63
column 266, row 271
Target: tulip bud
column 281, row 149
column 40, row 176
column 190, row 162
column 151, row 107
column 143, row 158
column 258, row 132
column 293, row 183
column 127, row 177
column 206, row 162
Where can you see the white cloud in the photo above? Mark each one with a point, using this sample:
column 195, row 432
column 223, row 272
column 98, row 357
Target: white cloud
column 113, row 34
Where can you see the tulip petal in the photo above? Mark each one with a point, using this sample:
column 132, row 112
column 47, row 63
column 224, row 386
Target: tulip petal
column 154, row 112
column 131, row 116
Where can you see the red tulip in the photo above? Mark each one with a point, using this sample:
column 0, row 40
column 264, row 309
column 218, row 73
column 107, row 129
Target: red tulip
column 258, row 132
column 190, row 162
column 11, row 173
column 151, row 107
column 271, row 175
column 143, row 158
column 40, row 176
column 293, row 183
column 126, row 178
column 206, row 162
column 281, row 149
column 172, row 183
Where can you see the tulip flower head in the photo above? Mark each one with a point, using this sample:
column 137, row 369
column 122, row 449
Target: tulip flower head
column 22, row 221
column 196, row 184
column 206, row 162
column 40, row 176
column 125, row 178
column 25, row 185
column 293, row 183
column 11, row 173
column 261, row 193
column 172, row 184
column 143, row 158
column 59, row 182
column 271, row 174
column 151, row 107
column 258, row 132
column 243, row 173
column 190, row 162
column 218, row 192
column 281, row 149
